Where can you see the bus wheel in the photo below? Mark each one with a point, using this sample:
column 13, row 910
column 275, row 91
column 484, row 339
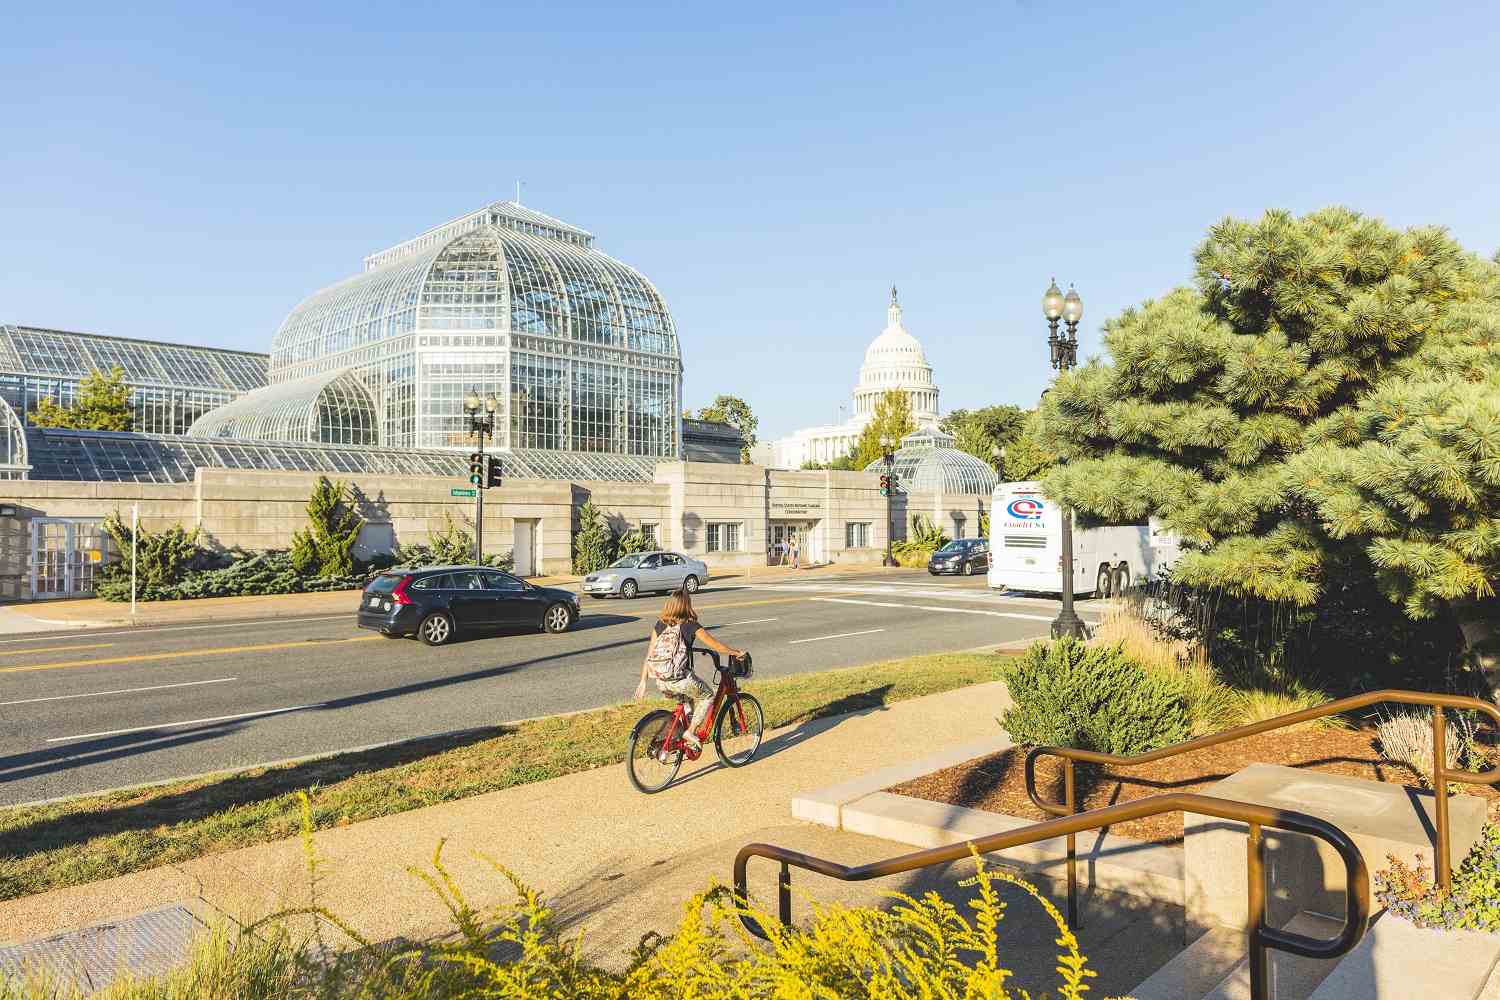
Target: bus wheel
column 1122, row 578
column 1101, row 586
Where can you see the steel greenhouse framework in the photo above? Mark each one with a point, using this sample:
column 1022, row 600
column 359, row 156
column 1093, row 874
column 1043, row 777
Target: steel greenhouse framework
column 579, row 349
column 927, row 462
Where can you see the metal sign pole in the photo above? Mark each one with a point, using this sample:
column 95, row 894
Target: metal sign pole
column 135, row 521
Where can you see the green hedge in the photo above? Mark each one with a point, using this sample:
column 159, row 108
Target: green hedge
column 1094, row 698
column 263, row 573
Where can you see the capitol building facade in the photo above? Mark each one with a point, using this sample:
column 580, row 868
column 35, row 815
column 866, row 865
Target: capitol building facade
column 894, row 361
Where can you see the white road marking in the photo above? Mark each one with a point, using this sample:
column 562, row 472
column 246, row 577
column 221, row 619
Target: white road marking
column 841, row 635
column 189, row 722
column 931, row 607
column 753, row 621
column 148, row 629
column 100, row 694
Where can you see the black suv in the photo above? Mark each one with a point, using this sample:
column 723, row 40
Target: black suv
column 962, row 556
column 437, row 603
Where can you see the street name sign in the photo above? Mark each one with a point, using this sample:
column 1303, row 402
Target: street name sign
column 456, row 492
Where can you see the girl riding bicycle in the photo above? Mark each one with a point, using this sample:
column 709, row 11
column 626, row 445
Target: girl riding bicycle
column 669, row 660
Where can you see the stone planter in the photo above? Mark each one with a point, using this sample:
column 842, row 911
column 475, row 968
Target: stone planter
column 1399, row 959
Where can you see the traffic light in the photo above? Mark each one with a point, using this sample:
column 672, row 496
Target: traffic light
column 885, row 486
column 476, row 470
column 493, row 477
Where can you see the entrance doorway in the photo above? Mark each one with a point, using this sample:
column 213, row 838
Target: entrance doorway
column 67, row 554
column 523, row 551
column 805, row 533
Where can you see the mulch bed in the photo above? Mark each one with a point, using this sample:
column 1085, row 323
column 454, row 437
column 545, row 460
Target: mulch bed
column 998, row 783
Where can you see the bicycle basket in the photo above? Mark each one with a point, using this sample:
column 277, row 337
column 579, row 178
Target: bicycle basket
column 740, row 666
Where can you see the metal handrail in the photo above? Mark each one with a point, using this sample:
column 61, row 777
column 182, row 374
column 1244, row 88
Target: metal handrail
column 1441, row 774
column 1262, row 937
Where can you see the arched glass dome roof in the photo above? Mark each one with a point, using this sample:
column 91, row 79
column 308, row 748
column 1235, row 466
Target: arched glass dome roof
column 927, row 462
column 12, row 444
column 328, row 408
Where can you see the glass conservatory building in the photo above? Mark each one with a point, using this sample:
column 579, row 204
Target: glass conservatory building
column 927, row 462
column 171, row 385
column 578, row 348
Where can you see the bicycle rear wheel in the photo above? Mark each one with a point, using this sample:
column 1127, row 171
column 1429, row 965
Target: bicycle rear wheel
column 648, row 771
column 738, row 732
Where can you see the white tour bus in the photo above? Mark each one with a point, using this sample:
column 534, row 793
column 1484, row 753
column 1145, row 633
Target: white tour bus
column 1026, row 547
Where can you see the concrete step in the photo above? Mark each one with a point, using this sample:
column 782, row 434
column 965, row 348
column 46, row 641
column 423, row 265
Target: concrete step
column 1196, row 969
column 1292, row 977
column 1398, row 959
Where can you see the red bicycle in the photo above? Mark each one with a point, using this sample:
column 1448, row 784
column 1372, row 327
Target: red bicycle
column 735, row 719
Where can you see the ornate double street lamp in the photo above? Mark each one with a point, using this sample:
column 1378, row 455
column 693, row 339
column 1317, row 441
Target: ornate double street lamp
column 481, row 415
column 1064, row 348
column 887, row 487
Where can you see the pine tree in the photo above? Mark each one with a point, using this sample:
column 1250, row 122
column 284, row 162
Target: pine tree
column 593, row 544
column 325, row 547
column 102, row 403
column 891, row 421
column 1320, row 406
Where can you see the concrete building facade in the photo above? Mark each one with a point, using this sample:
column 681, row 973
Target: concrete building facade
column 52, row 542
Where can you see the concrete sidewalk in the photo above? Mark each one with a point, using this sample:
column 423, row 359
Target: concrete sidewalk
column 44, row 616
column 582, row 839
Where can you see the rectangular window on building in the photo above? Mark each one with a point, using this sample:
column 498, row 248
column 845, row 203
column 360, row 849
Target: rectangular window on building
column 648, row 531
column 857, row 535
column 723, row 538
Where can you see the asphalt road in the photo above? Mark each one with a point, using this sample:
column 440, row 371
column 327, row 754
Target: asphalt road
column 87, row 711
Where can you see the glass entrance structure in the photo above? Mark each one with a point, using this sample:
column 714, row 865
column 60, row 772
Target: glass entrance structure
column 579, row 349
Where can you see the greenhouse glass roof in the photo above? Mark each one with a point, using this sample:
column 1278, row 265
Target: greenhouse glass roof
column 328, row 408
column 64, row 354
column 928, row 463
column 104, row 456
column 12, row 443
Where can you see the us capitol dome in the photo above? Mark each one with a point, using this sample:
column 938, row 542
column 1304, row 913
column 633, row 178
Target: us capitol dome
column 894, row 361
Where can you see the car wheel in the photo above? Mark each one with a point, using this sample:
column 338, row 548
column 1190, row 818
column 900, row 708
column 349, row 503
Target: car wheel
column 690, row 584
column 557, row 618
column 963, row 569
column 436, row 628
column 629, row 589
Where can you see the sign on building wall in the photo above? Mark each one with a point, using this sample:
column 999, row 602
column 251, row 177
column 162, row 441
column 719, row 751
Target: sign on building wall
column 796, row 508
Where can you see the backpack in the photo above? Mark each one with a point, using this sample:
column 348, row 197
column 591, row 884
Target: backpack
column 668, row 658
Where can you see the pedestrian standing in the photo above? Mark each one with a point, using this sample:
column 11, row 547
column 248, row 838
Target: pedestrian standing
column 796, row 552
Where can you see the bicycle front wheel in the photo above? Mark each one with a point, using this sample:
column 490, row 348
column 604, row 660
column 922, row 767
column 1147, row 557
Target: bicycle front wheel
column 738, row 732
column 651, row 769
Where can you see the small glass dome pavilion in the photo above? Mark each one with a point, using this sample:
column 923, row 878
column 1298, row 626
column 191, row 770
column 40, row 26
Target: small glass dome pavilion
column 326, row 408
column 927, row 462
column 12, row 444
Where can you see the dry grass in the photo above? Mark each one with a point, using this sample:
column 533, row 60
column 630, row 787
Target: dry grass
column 1213, row 704
column 98, row 837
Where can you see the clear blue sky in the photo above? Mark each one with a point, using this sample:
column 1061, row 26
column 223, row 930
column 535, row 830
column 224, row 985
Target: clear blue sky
column 189, row 174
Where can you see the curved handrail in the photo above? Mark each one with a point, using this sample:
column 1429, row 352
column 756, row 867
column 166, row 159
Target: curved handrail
column 1441, row 774
column 1356, row 876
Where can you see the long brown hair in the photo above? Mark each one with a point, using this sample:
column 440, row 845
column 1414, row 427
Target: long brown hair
column 678, row 609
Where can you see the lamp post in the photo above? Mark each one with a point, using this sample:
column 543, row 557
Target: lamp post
column 1064, row 350
column 481, row 414
column 888, row 449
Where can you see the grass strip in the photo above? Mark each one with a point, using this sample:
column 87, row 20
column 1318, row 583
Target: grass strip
column 101, row 836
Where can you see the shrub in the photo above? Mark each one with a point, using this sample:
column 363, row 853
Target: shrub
column 452, row 544
column 161, row 558
column 631, row 542
column 262, row 573
column 1473, row 902
column 1094, row 698
column 593, row 543
column 1405, row 737
column 325, row 547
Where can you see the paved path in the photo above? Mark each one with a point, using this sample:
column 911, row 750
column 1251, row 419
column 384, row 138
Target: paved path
column 106, row 708
column 616, row 863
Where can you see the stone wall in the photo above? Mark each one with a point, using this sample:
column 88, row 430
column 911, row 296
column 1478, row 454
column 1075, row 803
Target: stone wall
column 256, row 510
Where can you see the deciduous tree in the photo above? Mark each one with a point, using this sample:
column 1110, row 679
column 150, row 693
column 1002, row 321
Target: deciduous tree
column 737, row 413
column 102, row 403
column 891, row 421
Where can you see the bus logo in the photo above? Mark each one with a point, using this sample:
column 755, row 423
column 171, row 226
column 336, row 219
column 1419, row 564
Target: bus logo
column 1025, row 509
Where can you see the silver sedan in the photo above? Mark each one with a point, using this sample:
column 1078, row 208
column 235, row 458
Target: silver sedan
column 647, row 571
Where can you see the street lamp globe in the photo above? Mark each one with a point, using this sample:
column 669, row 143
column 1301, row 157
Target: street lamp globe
column 1052, row 302
column 491, row 404
column 1072, row 309
column 471, row 402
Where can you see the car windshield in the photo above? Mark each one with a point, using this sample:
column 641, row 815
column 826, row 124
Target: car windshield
column 955, row 546
column 626, row 562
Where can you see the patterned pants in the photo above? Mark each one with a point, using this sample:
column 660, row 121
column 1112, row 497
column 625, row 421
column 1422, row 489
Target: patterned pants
column 693, row 693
